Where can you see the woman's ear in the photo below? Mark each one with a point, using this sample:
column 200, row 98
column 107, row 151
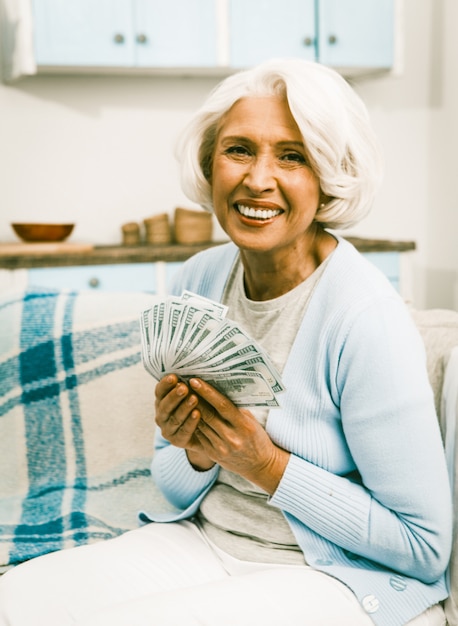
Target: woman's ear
column 324, row 199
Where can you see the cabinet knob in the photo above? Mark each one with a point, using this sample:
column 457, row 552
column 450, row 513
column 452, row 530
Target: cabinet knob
column 118, row 38
column 94, row 282
column 308, row 41
column 332, row 39
column 141, row 38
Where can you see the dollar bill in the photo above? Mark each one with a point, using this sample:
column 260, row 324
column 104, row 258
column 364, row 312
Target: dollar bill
column 218, row 309
column 245, row 389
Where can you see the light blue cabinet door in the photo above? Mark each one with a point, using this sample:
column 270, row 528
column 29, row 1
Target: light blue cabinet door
column 175, row 33
column 263, row 29
column 83, row 32
column 356, row 33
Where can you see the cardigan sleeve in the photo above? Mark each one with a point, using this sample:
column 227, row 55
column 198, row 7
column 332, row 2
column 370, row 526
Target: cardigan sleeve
column 396, row 509
column 181, row 484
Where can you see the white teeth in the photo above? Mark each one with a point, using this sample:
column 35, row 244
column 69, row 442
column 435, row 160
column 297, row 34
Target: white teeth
column 259, row 214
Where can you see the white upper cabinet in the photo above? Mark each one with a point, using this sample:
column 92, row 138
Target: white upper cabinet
column 83, row 32
column 340, row 33
column 175, row 33
column 212, row 35
column 125, row 33
column 262, row 29
column 356, row 33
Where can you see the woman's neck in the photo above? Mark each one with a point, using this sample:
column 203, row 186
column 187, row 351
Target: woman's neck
column 271, row 274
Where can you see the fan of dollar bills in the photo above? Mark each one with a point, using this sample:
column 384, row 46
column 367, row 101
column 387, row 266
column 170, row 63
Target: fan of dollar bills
column 190, row 336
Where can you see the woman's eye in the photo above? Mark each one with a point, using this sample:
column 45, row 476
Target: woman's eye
column 237, row 150
column 295, row 157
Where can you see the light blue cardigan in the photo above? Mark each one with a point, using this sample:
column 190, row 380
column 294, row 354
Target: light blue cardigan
column 366, row 490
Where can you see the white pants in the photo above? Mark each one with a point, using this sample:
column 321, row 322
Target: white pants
column 168, row 575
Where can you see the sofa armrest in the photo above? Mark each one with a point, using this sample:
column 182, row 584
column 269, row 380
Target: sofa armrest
column 76, row 420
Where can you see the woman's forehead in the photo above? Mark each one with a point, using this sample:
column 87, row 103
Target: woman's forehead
column 254, row 114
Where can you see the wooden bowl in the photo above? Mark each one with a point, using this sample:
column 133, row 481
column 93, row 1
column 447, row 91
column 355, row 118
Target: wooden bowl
column 42, row 232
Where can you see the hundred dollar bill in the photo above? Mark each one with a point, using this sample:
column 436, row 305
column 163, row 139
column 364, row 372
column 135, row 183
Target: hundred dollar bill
column 260, row 364
column 216, row 308
column 225, row 337
column 195, row 335
column 244, row 389
column 146, row 341
column 236, row 351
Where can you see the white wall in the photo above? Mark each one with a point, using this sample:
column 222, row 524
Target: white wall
column 415, row 115
column 94, row 150
column 99, row 150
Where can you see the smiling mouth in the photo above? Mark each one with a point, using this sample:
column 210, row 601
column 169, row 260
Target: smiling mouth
column 257, row 214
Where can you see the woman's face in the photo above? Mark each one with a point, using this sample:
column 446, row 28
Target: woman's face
column 265, row 195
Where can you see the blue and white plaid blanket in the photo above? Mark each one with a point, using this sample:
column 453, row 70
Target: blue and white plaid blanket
column 76, row 420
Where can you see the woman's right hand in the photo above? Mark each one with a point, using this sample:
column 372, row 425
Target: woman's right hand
column 177, row 416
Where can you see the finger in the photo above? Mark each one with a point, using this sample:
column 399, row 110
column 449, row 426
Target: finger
column 222, row 406
column 165, row 385
column 206, row 437
column 182, row 412
column 187, row 428
column 174, row 398
column 168, row 405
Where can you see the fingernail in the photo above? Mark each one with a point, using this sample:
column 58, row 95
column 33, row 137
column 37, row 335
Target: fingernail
column 195, row 383
column 181, row 390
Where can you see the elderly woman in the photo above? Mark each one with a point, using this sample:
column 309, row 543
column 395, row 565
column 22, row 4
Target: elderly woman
column 332, row 509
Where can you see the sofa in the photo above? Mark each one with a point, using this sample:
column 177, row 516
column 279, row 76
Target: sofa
column 77, row 426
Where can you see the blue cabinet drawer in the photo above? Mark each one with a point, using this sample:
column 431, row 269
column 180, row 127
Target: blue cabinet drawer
column 132, row 277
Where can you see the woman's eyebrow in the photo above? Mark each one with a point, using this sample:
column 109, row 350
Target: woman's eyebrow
column 291, row 144
column 232, row 138
column 243, row 138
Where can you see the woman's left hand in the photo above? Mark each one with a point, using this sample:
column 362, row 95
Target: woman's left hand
column 234, row 439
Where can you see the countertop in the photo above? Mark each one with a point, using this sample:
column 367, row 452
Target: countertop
column 17, row 255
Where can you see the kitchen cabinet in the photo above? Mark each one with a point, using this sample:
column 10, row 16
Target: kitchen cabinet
column 262, row 29
column 125, row 33
column 82, row 32
column 216, row 36
column 356, row 33
column 340, row 33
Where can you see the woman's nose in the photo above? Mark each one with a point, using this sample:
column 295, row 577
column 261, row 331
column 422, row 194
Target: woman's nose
column 260, row 175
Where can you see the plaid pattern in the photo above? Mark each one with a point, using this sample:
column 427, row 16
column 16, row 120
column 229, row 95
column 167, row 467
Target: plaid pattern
column 76, row 420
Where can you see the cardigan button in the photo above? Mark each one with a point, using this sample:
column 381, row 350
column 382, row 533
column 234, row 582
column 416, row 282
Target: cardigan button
column 370, row 604
column 398, row 583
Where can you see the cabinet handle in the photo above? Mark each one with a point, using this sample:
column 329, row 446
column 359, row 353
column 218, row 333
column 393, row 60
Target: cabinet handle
column 332, row 39
column 308, row 41
column 94, row 282
column 118, row 38
column 141, row 38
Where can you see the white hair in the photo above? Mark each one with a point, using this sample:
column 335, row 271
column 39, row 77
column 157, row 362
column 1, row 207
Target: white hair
column 333, row 120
